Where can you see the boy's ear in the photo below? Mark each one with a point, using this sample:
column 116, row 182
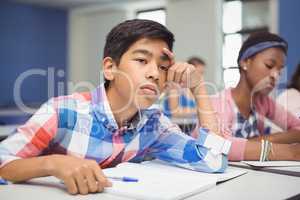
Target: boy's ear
column 108, row 68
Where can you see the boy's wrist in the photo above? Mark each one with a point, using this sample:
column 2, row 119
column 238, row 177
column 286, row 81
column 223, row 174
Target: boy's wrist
column 49, row 166
column 198, row 89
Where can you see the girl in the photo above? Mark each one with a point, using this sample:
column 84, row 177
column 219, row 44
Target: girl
column 244, row 110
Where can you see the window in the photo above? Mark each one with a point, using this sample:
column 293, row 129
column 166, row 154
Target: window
column 240, row 18
column 232, row 23
column 158, row 15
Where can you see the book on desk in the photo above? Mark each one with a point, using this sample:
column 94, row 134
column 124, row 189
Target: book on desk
column 290, row 168
column 159, row 180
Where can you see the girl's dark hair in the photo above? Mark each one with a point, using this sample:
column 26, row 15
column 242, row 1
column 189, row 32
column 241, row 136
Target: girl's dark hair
column 259, row 37
column 122, row 36
column 295, row 81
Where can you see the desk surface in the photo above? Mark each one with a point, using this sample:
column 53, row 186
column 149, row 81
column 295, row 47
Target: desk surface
column 253, row 185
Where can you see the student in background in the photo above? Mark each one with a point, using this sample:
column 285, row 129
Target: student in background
column 73, row 137
column 197, row 62
column 179, row 104
column 290, row 98
column 243, row 110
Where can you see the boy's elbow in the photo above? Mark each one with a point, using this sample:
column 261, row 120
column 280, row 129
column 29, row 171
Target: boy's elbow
column 224, row 164
column 218, row 165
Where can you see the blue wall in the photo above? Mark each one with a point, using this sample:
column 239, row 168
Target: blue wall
column 289, row 28
column 30, row 37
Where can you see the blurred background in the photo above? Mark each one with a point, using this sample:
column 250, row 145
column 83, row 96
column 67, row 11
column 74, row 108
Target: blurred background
column 54, row 47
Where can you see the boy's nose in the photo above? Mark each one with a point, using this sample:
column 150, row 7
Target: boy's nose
column 153, row 72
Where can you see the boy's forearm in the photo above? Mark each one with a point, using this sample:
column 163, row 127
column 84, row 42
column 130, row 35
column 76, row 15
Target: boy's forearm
column 206, row 114
column 25, row 169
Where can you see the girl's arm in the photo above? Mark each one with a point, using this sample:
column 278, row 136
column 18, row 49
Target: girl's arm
column 278, row 151
column 287, row 137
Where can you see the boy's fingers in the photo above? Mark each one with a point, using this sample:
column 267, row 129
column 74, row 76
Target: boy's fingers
column 179, row 73
column 184, row 79
column 171, row 73
column 190, row 77
column 170, row 55
column 91, row 181
column 71, row 185
column 81, row 183
column 100, row 177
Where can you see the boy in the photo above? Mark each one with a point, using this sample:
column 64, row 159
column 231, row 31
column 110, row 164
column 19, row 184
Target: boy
column 78, row 134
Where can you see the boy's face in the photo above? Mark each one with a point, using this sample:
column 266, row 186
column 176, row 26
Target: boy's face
column 142, row 72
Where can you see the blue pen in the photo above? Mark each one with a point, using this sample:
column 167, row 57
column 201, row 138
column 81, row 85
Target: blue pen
column 123, row 178
column 117, row 178
column 3, row 181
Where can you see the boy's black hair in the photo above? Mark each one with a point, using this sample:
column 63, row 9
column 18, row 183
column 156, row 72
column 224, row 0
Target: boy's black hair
column 295, row 81
column 259, row 37
column 122, row 36
column 194, row 60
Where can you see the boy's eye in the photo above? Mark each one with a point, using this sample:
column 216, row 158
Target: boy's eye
column 141, row 60
column 164, row 68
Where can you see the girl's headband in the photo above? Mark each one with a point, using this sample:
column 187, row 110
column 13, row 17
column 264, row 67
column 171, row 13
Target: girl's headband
column 260, row 47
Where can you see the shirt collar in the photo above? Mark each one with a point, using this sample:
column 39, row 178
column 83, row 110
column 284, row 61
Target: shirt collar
column 228, row 93
column 101, row 108
column 104, row 114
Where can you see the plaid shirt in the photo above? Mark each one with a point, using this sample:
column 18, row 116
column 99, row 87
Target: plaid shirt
column 183, row 102
column 83, row 125
column 237, row 129
column 248, row 128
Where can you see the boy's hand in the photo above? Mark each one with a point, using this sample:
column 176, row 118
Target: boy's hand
column 79, row 175
column 184, row 74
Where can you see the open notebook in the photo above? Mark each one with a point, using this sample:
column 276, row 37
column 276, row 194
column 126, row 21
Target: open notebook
column 158, row 180
column 291, row 168
column 272, row 163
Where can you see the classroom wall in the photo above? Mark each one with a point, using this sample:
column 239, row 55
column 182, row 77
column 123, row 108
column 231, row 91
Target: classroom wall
column 88, row 29
column 31, row 37
column 198, row 31
column 289, row 28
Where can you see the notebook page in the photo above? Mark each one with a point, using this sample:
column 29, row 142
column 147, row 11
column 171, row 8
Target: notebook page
column 272, row 163
column 230, row 172
column 156, row 184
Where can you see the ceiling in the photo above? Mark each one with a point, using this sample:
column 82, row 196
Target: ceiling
column 68, row 3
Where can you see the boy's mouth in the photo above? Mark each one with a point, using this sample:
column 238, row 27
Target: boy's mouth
column 149, row 89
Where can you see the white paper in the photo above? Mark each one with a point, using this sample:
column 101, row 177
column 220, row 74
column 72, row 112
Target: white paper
column 160, row 181
column 272, row 163
column 228, row 174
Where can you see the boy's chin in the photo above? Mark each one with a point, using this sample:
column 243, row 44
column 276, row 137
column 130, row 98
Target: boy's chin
column 144, row 103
